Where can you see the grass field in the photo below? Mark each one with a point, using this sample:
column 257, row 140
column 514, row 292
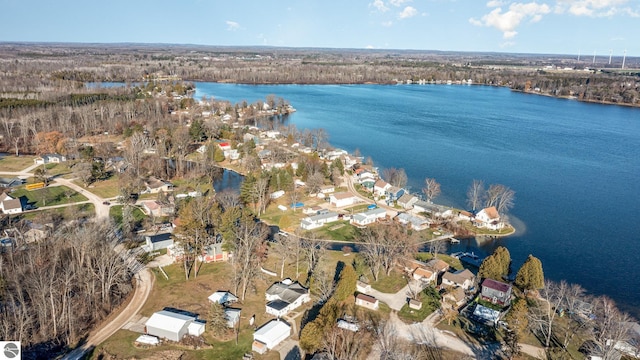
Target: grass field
column 12, row 163
column 389, row 284
column 50, row 196
column 71, row 212
column 115, row 212
column 105, row 188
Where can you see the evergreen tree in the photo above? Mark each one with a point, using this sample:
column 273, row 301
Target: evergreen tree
column 517, row 317
column 496, row 265
column 530, row 275
column 217, row 321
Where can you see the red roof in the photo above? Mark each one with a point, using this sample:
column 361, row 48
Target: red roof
column 224, row 144
column 496, row 285
column 367, row 298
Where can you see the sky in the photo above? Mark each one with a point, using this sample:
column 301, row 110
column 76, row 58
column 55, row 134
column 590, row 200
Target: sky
column 542, row 26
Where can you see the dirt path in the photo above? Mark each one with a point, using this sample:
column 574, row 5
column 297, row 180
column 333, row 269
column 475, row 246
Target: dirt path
column 144, row 284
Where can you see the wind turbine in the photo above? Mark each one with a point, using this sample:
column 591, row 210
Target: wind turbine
column 594, row 57
column 610, row 53
column 624, row 58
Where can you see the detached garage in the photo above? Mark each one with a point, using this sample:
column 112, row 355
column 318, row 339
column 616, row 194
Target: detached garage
column 173, row 326
column 269, row 335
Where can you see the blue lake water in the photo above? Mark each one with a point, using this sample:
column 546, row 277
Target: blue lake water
column 574, row 166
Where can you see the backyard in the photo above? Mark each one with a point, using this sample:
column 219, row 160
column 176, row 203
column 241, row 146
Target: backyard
column 50, row 196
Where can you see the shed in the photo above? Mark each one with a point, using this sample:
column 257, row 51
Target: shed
column 269, row 335
column 222, row 297
column 172, row 326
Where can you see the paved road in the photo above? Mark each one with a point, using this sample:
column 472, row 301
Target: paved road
column 102, row 211
column 144, row 284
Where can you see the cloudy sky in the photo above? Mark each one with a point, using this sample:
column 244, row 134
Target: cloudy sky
column 542, row 26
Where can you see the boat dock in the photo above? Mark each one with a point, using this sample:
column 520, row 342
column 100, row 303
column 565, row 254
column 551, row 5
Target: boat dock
column 468, row 258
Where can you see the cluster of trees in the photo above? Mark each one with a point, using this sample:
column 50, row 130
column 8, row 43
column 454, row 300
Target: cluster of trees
column 498, row 195
column 383, row 245
column 54, row 291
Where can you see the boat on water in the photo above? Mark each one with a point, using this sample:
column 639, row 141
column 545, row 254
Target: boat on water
column 468, row 258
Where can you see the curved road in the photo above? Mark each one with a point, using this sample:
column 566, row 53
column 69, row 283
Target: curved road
column 144, row 284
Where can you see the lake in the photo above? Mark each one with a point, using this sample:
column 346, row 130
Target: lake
column 574, row 166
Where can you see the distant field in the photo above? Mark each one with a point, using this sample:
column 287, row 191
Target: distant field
column 11, row 163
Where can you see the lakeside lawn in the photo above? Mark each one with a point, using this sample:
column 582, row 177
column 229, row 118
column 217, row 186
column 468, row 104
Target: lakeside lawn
column 12, row 163
column 453, row 262
column 50, row 196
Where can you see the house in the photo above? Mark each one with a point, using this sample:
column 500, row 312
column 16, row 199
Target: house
column 407, row 200
column 10, row 182
column 366, row 176
column 438, row 266
column 496, row 292
column 313, row 210
column 316, row 221
column 49, row 158
column 156, row 208
column 421, row 206
column 455, row 297
column 425, row 275
column 394, row 193
column 489, row 218
column 155, row 185
column 158, row 241
column 367, row 301
column 461, row 278
column 465, row 215
column 233, row 316
column 222, row 297
column 9, row 204
column 213, row 253
column 380, row 187
column 173, row 325
column 415, row 222
column 285, row 296
column 368, row 217
column 415, row 304
column 327, row 189
column 224, row 146
column 270, row 335
column 363, row 287
column 342, row 199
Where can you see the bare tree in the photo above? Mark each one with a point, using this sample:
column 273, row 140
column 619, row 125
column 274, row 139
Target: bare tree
column 543, row 315
column 431, row 189
column 313, row 250
column 314, row 182
column 475, row 194
column 501, row 197
column 395, row 177
column 611, row 329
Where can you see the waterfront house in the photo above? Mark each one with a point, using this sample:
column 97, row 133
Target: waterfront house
column 417, row 223
column 496, row 292
column 368, row 217
column 455, row 297
column 394, row 193
column 173, row 325
column 421, row 206
column 380, row 187
column 367, row 301
column 342, row 199
column 407, row 200
column 489, row 218
column 437, row 265
column 270, row 335
column 316, row 221
column 461, row 278
column 424, row 275
column 365, row 176
column 285, row 296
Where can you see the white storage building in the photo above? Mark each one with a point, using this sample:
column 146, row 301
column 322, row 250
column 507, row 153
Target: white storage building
column 173, row 326
column 269, row 335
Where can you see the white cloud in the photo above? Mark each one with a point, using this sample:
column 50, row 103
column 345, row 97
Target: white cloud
column 495, row 3
column 370, row 47
column 408, row 12
column 379, row 4
column 594, row 8
column 387, row 23
column 398, row 3
column 232, row 25
column 508, row 21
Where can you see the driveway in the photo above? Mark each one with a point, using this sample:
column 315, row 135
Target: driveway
column 396, row 301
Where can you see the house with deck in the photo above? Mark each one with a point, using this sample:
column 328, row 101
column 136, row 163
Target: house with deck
column 489, row 218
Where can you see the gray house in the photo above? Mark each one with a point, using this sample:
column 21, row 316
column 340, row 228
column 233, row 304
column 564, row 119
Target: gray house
column 496, row 292
column 158, row 241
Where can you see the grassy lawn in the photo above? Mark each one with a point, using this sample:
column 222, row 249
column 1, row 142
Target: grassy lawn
column 49, row 196
column 507, row 230
column 12, row 163
column 389, row 284
column 335, row 231
column 453, row 262
column 430, row 303
column 115, row 212
column 72, row 212
column 61, row 169
column 105, row 188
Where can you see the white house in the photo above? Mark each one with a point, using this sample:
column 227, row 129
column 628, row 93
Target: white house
column 10, row 205
column 49, row 158
column 172, row 325
column 417, row 223
column 366, row 176
column 327, row 189
column 461, row 278
column 270, row 335
column 342, row 199
column 158, row 241
column 424, row 275
column 316, row 221
column 489, row 218
column 367, row 301
column 368, row 217
column 222, row 297
column 285, row 296
column 380, row 187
